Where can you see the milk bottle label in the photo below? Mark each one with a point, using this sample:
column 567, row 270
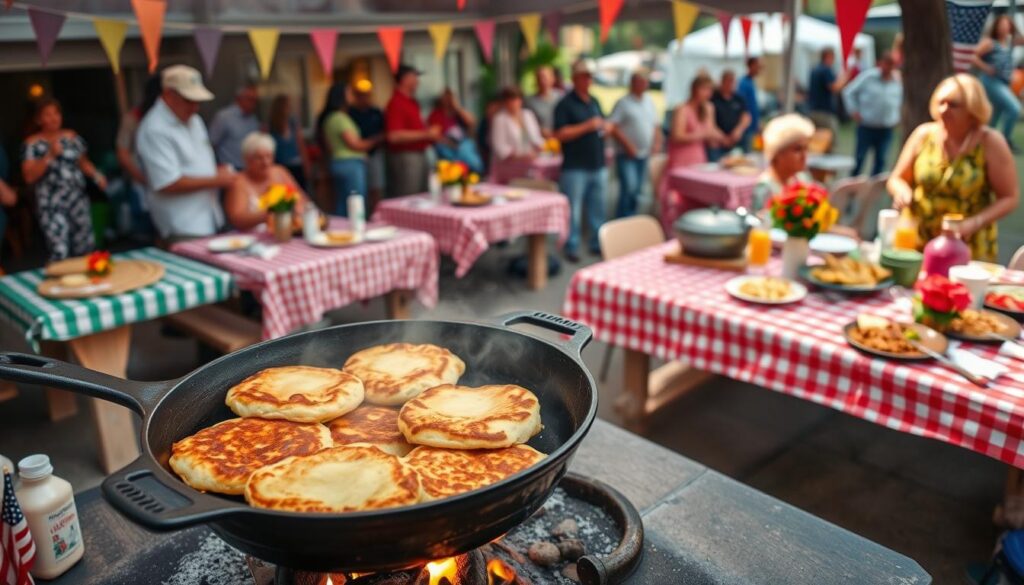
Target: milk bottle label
column 64, row 532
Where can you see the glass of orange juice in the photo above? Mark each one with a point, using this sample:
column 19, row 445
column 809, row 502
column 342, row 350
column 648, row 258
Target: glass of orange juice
column 759, row 247
column 905, row 234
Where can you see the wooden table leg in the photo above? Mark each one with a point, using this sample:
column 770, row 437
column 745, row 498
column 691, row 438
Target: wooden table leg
column 60, row 404
column 645, row 392
column 107, row 352
column 397, row 302
column 630, row 403
column 537, row 261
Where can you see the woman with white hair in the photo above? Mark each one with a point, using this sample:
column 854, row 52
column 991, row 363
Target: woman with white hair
column 786, row 139
column 241, row 205
column 957, row 165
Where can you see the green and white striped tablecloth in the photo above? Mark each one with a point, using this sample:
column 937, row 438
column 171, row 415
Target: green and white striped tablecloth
column 186, row 284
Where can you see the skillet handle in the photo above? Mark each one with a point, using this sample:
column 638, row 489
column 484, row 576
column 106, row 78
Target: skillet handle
column 139, row 494
column 139, row 397
column 580, row 334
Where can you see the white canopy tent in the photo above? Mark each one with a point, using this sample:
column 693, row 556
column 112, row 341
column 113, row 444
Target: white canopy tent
column 704, row 50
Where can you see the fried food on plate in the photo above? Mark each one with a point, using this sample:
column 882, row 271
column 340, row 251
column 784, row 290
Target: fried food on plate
column 849, row 272
column 222, row 457
column 372, row 425
column 296, row 393
column 883, row 335
column 395, row 372
column 977, row 323
column 447, row 472
column 461, row 417
column 769, row 289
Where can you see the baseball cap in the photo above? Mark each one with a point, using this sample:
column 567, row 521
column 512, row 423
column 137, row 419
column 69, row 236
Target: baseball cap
column 582, row 66
column 403, row 69
column 186, row 81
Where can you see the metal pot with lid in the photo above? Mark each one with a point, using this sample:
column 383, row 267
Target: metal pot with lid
column 714, row 232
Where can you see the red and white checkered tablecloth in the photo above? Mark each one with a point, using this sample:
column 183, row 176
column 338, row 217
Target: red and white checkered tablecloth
column 302, row 282
column 545, row 166
column 681, row 312
column 464, row 233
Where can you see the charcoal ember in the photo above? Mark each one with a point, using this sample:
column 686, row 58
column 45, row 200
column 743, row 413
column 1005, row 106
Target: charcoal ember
column 544, row 554
column 569, row 572
column 571, row 549
column 567, row 528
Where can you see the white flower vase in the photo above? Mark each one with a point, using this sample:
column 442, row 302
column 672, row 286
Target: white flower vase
column 794, row 256
column 453, row 193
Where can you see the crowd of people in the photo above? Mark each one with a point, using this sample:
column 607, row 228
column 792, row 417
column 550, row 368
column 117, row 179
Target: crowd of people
column 193, row 182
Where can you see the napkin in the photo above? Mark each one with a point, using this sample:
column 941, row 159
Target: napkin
column 1014, row 350
column 265, row 251
column 976, row 364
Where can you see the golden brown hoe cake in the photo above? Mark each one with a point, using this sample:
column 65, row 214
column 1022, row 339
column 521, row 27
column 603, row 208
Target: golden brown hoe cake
column 340, row 479
column 296, row 393
column 372, row 425
column 222, row 457
column 447, row 472
column 461, row 417
column 396, row 372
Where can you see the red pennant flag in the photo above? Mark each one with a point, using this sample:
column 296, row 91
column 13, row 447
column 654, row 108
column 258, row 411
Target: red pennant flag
column 461, row 4
column 47, row 26
column 391, row 39
column 608, row 11
column 485, row 36
column 746, row 24
column 8, row 4
column 553, row 23
column 725, row 19
column 150, row 14
column 850, row 17
column 325, row 41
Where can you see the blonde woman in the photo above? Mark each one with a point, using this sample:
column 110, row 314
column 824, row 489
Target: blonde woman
column 957, row 164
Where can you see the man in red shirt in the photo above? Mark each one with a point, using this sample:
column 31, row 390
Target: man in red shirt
column 407, row 136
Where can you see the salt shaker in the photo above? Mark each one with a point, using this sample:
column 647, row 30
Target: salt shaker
column 887, row 220
column 311, row 222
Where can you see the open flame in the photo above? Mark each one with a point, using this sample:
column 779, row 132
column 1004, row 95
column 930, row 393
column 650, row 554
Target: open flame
column 499, row 573
column 446, row 569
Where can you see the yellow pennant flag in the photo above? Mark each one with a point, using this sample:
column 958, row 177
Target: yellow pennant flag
column 530, row 25
column 264, row 44
column 111, row 34
column 684, row 14
column 441, row 33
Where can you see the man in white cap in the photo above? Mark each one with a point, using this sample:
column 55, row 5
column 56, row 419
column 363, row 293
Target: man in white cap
column 183, row 176
column 581, row 128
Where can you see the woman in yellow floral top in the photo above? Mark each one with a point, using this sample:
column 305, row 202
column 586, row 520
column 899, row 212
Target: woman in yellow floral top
column 957, row 165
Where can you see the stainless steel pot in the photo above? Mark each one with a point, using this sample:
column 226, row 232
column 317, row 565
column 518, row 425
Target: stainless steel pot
column 713, row 232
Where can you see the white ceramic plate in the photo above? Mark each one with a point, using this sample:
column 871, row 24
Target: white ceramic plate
column 822, row 243
column 797, row 291
column 321, row 241
column 994, row 269
column 381, row 234
column 235, row 243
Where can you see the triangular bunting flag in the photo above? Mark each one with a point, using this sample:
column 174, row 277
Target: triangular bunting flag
column 746, row 24
column 684, row 15
column 850, row 16
column 325, row 41
column 485, row 36
column 608, row 11
column 391, row 39
column 725, row 19
column 111, row 34
column 150, row 14
column 8, row 4
column 208, row 42
column 461, row 4
column 440, row 33
column 47, row 26
column 553, row 23
column 530, row 25
column 264, row 44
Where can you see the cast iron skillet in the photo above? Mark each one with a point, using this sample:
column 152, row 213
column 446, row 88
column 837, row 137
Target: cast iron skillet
column 147, row 492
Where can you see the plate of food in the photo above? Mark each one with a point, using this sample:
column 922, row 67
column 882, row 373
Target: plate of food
column 847, row 275
column 232, row 243
column 765, row 290
column 980, row 326
column 826, row 243
column 992, row 268
column 1008, row 299
column 335, row 239
column 890, row 339
column 380, row 234
column 473, row 199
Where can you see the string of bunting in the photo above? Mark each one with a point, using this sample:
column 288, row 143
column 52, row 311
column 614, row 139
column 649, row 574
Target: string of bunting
column 149, row 19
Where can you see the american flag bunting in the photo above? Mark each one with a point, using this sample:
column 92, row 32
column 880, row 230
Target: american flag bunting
column 17, row 551
column 966, row 21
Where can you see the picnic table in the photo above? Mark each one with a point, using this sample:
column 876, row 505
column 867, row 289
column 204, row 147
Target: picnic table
column 682, row 313
column 302, row 282
column 97, row 330
column 464, row 233
column 546, row 166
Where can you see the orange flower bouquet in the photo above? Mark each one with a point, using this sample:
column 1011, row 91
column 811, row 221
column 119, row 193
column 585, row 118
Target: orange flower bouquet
column 99, row 264
column 280, row 200
column 802, row 210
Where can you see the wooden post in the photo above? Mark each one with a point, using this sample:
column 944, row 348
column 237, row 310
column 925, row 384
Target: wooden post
column 397, row 302
column 630, row 403
column 537, row 261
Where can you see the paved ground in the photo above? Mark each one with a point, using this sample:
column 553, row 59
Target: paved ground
column 922, row 498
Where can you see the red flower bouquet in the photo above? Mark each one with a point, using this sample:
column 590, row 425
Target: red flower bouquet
column 98, row 264
column 802, row 210
column 939, row 300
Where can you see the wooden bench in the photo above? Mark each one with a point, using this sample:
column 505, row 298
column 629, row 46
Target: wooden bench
column 219, row 328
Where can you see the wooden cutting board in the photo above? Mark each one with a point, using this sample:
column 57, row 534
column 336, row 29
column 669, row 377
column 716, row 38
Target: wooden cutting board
column 126, row 275
column 733, row 264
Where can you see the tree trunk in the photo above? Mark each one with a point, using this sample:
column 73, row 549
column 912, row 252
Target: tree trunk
column 927, row 57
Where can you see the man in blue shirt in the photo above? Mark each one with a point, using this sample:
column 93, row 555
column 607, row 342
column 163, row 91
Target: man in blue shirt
column 874, row 99
column 748, row 91
column 581, row 128
column 822, row 90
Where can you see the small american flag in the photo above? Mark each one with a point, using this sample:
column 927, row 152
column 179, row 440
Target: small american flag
column 17, row 551
column 966, row 20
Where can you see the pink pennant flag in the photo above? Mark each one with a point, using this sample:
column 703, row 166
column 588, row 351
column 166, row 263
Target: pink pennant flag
column 208, row 42
column 485, row 36
column 553, row 23
column 850, row 17
column 47, row 26
column 746, row 24
column 325, row 40
column 725, row 19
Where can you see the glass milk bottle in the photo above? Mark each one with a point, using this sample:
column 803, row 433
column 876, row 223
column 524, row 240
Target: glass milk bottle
column 48, row 503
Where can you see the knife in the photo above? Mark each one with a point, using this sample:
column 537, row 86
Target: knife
column 993, row 335
column 976, row 380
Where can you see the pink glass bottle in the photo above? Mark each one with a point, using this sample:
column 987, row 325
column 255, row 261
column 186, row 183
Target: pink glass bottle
column 947, row 250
